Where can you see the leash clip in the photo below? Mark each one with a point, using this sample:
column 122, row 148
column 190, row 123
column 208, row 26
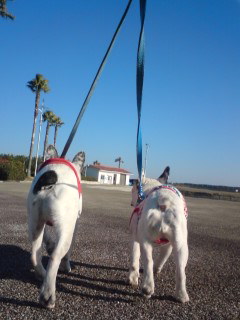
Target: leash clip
column 141, row 195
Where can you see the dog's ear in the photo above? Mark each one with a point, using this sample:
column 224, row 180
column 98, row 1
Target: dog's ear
column 79, row 159
column 164, row 176
column 51, row 152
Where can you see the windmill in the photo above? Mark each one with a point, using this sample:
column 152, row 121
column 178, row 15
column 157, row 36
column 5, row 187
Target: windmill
column 119, row 160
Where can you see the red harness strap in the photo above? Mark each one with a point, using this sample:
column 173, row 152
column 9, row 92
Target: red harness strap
column 67, row 163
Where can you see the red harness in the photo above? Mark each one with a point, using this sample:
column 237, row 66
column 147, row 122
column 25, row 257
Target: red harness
column 67, row 163
column 138, row 209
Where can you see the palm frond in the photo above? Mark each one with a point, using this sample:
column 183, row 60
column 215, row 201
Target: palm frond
column 4, row 12
column 49, row 116
column 38, row 84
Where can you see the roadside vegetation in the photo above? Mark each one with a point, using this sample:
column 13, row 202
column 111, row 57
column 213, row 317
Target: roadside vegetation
column 12, row 167
column 15, row 168
column 210, row 192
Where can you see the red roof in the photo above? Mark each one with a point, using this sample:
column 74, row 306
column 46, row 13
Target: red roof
column 4, row 160
column 106, row 168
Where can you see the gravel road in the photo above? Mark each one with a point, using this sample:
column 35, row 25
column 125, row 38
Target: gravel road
column 96, row 287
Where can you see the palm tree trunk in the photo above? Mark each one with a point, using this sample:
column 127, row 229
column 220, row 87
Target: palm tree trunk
column 55, row 135
column 33, row 133
column 46, row 140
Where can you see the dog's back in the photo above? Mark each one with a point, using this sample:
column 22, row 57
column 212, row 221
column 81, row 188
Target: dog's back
column 162, row 213
column 159, row 219
column 55, row 199
column 54, row 192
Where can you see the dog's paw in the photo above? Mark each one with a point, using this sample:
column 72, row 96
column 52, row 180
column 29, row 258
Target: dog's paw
column 47, row 303
column 147, row 292
column 156, row 271
column 133, row 282
column 133, row 278
column 182, row 297
column 46, row 299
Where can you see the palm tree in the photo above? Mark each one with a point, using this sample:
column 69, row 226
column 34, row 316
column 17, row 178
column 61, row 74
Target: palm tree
column 36, row 85
column 119, row 160
column 50, row 117
column 57, row 124
column 3, row 10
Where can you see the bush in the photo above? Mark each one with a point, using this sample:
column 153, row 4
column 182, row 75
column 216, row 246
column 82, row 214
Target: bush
column 88, row 178
column 12, row 167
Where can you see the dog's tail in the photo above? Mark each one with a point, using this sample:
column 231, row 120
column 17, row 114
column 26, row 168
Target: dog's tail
column 165, row 206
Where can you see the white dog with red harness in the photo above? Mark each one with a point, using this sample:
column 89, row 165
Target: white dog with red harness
column 159, row 220
column 54, row 199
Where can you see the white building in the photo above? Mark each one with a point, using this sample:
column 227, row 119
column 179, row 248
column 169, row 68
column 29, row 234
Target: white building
column 109, row 175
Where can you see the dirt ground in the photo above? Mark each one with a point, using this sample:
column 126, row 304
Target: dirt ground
column 96, row 287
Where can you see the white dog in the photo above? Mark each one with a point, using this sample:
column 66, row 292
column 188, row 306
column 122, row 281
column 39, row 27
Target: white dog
column 159, row 220
column 54, row 199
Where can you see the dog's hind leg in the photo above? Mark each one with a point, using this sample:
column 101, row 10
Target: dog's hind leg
column 134, row 264
column 164, row 253
column 65, row 265
column 134, row 254
column 47, row 295
column 180, row 249
column 148, row 280
column 36, row 237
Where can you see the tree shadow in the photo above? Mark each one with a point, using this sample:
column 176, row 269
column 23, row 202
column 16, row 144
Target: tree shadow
column 15, row 264
column 105, row 288
column 95, row 266
column 90, row 283
column 109, row 281
column 104, row 293
column 165, row 297
column 17, row 302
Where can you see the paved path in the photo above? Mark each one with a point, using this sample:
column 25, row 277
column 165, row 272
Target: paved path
column 96, row 287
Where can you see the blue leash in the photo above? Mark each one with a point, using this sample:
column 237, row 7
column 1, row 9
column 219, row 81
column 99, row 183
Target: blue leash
column 139, row 82
column 140, row 77
column 91, row 90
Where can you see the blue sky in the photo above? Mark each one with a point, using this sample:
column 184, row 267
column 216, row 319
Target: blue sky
column 191, row 98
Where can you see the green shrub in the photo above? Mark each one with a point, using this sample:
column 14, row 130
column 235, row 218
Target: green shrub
column 88, row 178
column 12, row 167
